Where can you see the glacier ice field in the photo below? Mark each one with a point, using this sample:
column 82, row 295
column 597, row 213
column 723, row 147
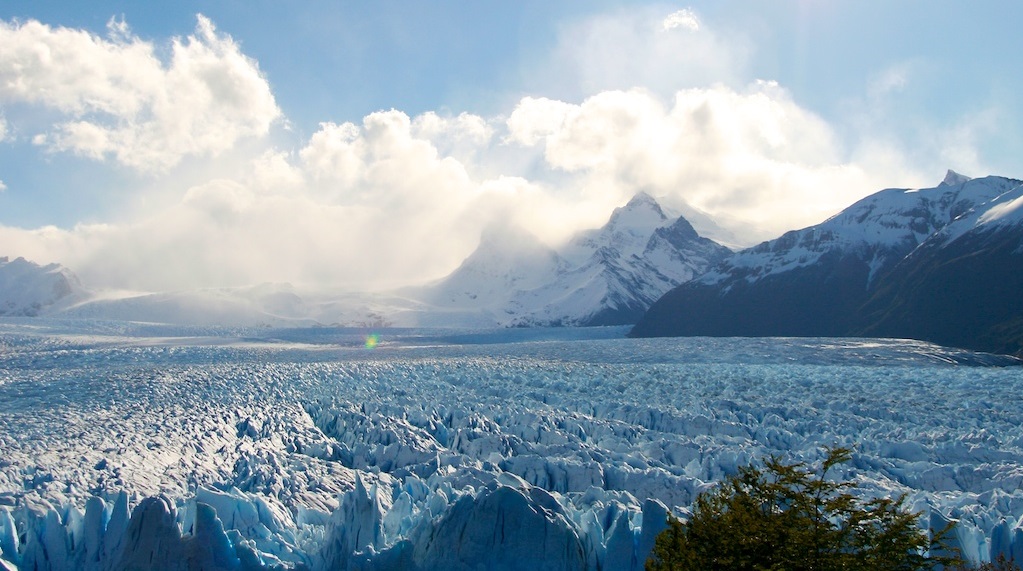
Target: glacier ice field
column 139, row 446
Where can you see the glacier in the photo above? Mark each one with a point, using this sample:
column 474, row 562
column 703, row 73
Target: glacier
column 139, row 445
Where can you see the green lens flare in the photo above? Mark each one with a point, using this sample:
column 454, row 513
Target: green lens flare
column 372, row 340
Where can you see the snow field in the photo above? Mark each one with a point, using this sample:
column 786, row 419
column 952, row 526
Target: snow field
column 292, row 448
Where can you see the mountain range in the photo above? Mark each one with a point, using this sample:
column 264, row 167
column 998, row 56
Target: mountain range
column 604, row 276
column 942, row 264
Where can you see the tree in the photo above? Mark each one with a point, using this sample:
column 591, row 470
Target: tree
column 790, row 517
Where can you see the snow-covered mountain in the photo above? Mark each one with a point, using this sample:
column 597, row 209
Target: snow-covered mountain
column 962, row 285
column 816, row 281
column 28, row 289
column 605, row 276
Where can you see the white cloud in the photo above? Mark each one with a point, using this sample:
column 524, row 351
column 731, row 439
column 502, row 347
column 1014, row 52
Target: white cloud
column 451, row 132
column 754, row 155
column 892, row 79
column 385, row 202
column 958, row 146
column 273, row 171
column 639, row 47
column 536, row 118
column 684, row 18
column 890, row 119
column 368, row 205
column 116, row 98
column 3, row 137
column 333, row 153
column 394, row 199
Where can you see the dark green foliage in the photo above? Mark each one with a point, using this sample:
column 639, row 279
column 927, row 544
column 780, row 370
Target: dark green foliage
column 789, row 517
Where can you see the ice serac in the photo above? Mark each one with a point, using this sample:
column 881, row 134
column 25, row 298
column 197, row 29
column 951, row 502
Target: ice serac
column 604, row 276
column 655, row 520
column 818, row 281
column 117, row 525
column 208, row 547
column 28, row 289
column 1007, row 542
column 94, row 526
column 620, row 552
column 8, row 538
column 152, row 539
column 503, row 529
column 355, row 530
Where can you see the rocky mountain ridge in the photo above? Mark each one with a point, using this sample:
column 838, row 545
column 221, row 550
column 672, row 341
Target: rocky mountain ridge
column 850, row 274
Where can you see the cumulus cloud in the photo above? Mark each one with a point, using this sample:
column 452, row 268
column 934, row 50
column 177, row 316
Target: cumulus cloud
column 536, row 118
column 754, row 155
column 384, row 202
column 392, row 199
column 641, row 47
column 374, row 204
column 114, row 97
column 684, row 18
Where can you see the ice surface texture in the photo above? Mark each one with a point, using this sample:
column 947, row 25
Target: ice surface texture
column 132, row 446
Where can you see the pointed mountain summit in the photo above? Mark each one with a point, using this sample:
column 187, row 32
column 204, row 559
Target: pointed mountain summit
column 605, row 276
column 952, row 178
column 847, row 275
column 641, row 213
column 627, row 230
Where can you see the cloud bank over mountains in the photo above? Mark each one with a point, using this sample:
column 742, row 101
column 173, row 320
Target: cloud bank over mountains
column 390, row 198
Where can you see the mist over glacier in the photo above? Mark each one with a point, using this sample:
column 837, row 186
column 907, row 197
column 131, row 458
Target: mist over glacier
column 443, row 449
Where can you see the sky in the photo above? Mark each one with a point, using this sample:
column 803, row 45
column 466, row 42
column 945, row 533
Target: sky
column 362, row 146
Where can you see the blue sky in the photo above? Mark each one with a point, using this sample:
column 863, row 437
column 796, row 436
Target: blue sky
column 374, row 141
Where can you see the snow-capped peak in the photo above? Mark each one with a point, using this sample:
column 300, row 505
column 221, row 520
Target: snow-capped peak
column 627, row 230
column 1006, row 209
column 953, row 178
column 642, row 213
column 608, row 275
column 884, row 227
